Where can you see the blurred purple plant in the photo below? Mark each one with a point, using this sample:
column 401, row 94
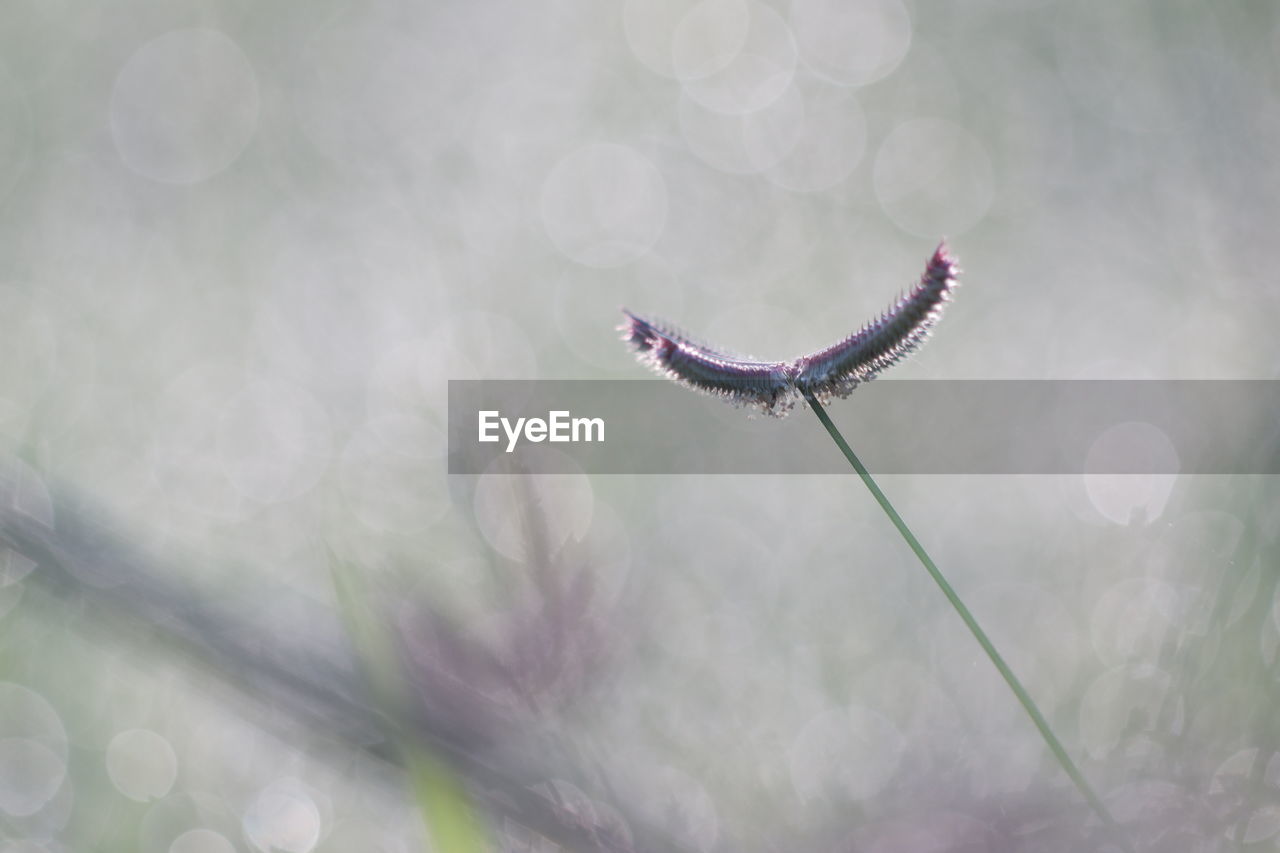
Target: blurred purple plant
column 537, row 655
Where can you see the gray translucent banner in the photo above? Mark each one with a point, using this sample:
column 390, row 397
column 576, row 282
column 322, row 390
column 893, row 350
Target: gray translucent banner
column 896, row 427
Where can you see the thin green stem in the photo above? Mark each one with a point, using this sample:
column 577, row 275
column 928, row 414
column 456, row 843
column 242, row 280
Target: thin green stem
column 1024, row 698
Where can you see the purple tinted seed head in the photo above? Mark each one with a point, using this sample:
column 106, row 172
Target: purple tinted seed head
column 774, row 387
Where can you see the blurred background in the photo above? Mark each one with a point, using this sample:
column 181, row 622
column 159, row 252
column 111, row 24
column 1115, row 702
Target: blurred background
column 243, row 247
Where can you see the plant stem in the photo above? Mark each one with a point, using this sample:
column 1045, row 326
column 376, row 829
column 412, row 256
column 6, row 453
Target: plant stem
column 1024, row 698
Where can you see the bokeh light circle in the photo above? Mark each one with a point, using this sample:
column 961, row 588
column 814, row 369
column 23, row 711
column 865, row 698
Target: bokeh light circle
column 30, row 774
column 184, row 454
column 411, row 379
column 327, row 312
column 856, row 753
column 26, row 846
column 708, row 37
column 201, row 841
column 1124, row 704
column 368, row 94
column 1236, row 784
column 747, row 74
column 283, row 818
column 824, row 147
column 851, row 44
column 933, row 178
column 33, row 751
column 1134, row 620
column 184, row 107
column 274, row 441
column 142, row 764
column 1128, row 498
column 650, row 26
column 743, row 144
column 604, row 205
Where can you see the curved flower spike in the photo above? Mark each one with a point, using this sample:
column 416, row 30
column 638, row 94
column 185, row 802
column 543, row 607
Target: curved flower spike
column 774, row 387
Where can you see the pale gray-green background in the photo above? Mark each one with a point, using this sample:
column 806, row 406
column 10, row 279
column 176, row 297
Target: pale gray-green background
column 244, row 245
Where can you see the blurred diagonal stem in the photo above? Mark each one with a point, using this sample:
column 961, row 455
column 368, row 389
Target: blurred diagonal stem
column 116, row 587
column 1024, row 698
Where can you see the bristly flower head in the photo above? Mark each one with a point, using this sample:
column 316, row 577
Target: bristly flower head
column 774, row 387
